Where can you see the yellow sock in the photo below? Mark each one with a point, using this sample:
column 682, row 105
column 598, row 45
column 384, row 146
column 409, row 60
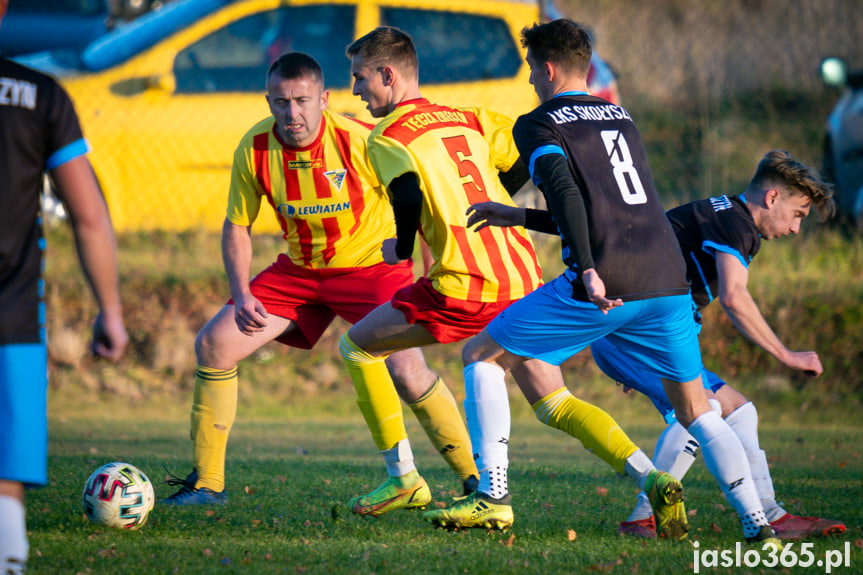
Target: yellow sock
column 596, row 430
column 438, row 413
column 376, row 394
column 213, row 413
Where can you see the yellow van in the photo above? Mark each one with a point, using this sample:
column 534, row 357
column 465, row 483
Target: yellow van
column 165, row 99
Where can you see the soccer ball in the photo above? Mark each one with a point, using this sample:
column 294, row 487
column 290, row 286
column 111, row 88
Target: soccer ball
column 118, row 495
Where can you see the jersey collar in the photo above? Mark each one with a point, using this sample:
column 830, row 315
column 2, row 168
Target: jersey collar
column 414, row 102
column 572, row 93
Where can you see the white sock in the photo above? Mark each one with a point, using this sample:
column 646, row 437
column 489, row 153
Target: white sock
column 675, row 453
column 638, row 466
column 744, row 422
column 726, row 460
column 399, row 459
column 13, row 536
column 486, row 408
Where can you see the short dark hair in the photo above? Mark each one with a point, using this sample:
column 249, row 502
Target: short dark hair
column 562, row 42
column 387, row 45
column 292, row 65
column 780, row 170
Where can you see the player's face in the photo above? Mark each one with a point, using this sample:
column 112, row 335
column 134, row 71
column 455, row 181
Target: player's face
column 538, row 78
column 784, row 215
column 297, row 104
column 369, row 86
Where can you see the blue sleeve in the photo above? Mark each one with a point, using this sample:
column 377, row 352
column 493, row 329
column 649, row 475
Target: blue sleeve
column 66, row 153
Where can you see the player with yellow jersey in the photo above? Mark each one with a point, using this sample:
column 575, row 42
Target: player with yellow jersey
column 312, row 167
column 435, row 161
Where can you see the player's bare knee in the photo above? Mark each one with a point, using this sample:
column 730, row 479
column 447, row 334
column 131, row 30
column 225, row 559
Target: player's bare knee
column 472, row 351
column 410, row 373
column 208, row 351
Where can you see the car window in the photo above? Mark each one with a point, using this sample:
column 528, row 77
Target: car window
column 235, row 58
column 457, row 47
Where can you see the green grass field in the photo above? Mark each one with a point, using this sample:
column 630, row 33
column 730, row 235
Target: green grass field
column 288, row 479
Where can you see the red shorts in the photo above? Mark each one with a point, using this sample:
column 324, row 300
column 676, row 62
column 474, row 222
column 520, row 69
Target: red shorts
column 311, row 298
column 447, row 319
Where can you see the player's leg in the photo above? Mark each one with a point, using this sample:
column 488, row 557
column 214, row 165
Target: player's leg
column 675, row 449
column 364, row 349
column 549, row 326
column 437, row 411
column 601, row 434
column 723, row 454
column 665, row 340
column 24, row 447
column 219, row 347
column 742, row 416
column 13, row 528
column 486, row 407
column 354, row 295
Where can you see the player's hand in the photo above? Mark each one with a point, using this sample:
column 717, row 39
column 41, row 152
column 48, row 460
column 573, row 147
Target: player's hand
column 805, row 361
column 596, row 291
column 494, row 214
column 388, row 251
column 250, row 314
column 109, row 337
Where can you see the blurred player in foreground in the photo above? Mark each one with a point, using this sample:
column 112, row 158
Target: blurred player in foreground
column 39, row 132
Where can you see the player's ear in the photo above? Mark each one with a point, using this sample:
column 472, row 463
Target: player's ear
column 550, row 71
column 387, row 75
column 771, row 197
column 325, row 99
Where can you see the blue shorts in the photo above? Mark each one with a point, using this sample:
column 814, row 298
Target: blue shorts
column 548, row 324
column 23, row 413
column 616, row 365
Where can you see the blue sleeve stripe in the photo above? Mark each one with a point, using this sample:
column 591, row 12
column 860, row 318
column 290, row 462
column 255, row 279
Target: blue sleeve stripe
column 542, row 151
column 66, row 153
column 712, row 248
column 703, row 279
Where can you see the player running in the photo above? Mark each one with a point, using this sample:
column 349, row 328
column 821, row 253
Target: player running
column 312, row 167
column 719, row 237
column 434, row 162
column 625, row 281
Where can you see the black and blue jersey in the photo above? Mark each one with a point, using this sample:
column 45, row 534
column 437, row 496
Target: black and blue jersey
column 611, row 218
column 39, row 131
column 704, row 227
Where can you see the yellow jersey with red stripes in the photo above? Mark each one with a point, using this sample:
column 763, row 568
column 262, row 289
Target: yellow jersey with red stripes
column 457, row 154
column 330, row 205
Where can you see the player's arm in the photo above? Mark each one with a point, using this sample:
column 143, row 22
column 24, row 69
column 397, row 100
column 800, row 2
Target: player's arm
column 97, row 251
column 515, row 178
column 747, row 318
column 249, row 313
column 566, row 204
column 407, row 198
column 486, row 214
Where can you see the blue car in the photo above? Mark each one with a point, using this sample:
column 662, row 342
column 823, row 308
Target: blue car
column 44, row 25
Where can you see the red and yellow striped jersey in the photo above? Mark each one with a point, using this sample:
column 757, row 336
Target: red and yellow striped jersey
column 457, row 154
column 329, row 203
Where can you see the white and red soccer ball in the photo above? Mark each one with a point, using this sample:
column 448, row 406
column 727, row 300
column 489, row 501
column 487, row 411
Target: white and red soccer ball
column 118, row 495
